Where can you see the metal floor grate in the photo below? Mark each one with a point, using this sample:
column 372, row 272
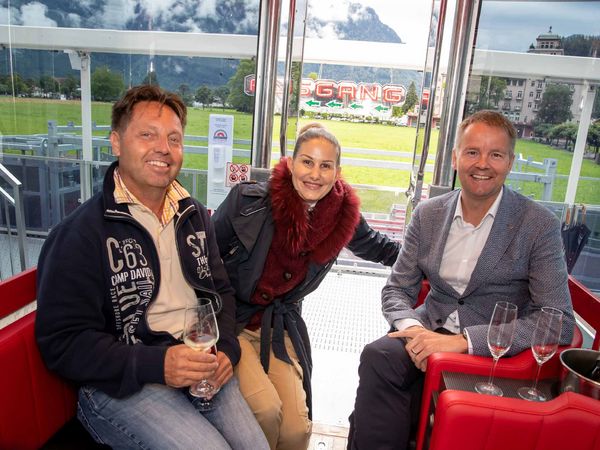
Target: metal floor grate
column 342, row 316
column 344, row 313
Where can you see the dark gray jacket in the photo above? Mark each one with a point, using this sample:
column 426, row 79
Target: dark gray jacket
column 244, row 228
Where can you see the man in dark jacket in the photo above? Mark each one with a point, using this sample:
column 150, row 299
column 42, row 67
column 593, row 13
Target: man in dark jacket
column 114, row 279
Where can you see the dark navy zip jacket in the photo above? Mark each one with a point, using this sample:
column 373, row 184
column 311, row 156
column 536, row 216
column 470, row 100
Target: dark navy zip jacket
column 98, row 272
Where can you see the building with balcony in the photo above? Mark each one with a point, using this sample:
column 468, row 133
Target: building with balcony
column 522, row 97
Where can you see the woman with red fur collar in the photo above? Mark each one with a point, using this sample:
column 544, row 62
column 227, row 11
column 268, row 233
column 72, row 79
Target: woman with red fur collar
column 278, row 240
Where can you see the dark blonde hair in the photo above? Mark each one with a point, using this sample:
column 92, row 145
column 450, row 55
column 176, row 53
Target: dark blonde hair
column 123, row 108
column 315, row 130
column 492, row 119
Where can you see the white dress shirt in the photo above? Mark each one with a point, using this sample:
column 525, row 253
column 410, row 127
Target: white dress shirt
column 463, row 247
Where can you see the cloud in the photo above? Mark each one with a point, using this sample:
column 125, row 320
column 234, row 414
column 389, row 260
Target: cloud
column 329, row 10
column 158, row 8
column 7, row 15
column 358, row 12
column 327, row 31
column 35, row 14
column 207, row 8
column 250, row 22
column 115, row 14
column 74, row 20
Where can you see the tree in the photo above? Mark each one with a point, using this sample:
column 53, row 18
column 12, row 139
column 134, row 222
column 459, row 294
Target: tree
column 397, row 111
column 313, row 76
column 151, row 78
column 48, row 84
column 21, row 87
column 555, row 106
column 69, row 87
column 593, row 140
column 204, row 95
column 542, row 130
column 596, row 107
column 412, row 98
column 106, row 85
column 577, row 45
column 221, row 95
column 491, row 91
column 566, row 131
column 237, row 98
column 296, row 81
column 185, row 93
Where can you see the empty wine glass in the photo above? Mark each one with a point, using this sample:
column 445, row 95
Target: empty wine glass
column 500, row 336
column 201, row 333
column 543, row 346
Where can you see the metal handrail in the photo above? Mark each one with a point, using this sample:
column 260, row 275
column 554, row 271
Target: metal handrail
column 17, row 201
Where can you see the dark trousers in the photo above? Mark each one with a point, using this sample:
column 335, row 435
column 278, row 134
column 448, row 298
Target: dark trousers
column 388, row 398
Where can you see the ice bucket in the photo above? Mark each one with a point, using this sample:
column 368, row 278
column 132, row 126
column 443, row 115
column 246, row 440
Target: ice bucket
column 577, row 363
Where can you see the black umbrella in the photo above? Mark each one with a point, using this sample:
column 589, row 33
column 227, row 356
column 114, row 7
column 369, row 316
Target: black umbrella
column 575, row 234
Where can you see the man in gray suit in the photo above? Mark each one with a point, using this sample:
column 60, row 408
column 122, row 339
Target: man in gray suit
column 478, row 245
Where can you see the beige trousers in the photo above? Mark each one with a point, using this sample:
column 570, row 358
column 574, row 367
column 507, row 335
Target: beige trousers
column 277, row 398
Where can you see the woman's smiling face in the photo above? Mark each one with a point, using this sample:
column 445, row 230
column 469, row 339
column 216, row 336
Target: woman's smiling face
column 314, row 169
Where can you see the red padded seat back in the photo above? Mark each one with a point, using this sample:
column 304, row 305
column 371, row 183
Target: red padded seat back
column 35, row 402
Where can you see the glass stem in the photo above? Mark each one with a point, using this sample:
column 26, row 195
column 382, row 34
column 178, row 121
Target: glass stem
column 537, row 376
column 493, row 371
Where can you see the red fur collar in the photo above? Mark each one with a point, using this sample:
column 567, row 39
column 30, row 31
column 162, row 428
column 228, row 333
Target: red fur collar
column 324, row 231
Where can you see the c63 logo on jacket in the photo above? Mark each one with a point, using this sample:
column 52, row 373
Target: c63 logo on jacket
column 132, row 284
column 197, row 243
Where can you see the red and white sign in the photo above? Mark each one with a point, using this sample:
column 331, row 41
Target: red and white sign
column 346, row 91
column 236, row 173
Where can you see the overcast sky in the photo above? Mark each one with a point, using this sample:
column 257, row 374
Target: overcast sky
column 504, row 25
column 512, row 26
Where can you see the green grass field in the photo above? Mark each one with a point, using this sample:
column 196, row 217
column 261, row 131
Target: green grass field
column 30, row 116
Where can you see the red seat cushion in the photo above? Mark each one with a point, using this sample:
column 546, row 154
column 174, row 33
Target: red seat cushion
column 35, row 402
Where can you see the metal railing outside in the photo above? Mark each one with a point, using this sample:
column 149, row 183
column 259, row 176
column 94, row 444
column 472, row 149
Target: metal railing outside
column 16, row 201
column 57, row 158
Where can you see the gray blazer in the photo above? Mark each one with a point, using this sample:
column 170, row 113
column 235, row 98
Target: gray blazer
column 522, row 262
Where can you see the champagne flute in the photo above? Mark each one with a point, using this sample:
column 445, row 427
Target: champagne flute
column 500, row 336
column 543, row 346
column 201, row 333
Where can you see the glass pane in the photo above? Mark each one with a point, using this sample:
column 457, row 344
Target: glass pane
column 537, row 63
column 362, row 79
column 198, row 50
column 533, row 87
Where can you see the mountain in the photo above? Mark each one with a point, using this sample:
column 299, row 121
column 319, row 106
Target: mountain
column 351, row 21
column 361, row 24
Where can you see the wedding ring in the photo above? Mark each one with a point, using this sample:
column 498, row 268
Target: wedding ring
column 413, row 351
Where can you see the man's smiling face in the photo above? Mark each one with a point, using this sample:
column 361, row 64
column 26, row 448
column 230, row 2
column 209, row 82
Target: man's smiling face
column 483, row 159
column 150, row 149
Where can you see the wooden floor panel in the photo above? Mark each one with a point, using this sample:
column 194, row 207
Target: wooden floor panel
column 328, row 437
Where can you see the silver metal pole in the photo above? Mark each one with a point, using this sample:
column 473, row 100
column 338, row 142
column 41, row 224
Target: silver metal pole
column 20, row 221
column 5, row 201
column 589, row 93
column 266, row 73
column 432, row 94
column 461, row 53
column 287, row 78
column 86, row 126
column 17, row 201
